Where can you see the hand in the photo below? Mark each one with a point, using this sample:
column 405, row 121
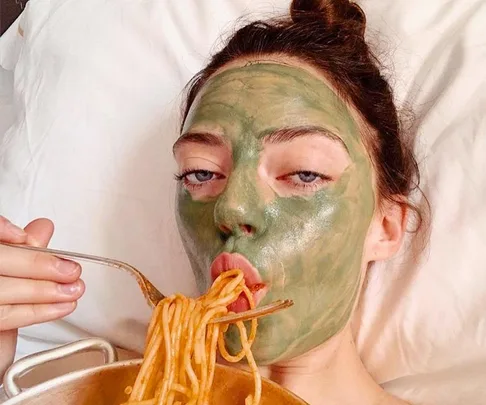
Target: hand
column 34, row 287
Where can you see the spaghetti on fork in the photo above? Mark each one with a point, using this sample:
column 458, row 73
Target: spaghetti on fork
column 180, row 355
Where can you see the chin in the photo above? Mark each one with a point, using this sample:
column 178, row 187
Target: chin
column 264, row 350
column 272, row 348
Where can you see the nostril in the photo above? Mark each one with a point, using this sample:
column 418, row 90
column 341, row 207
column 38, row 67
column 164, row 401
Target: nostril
column 247, row 229
column 224, row 236
column 226, row 230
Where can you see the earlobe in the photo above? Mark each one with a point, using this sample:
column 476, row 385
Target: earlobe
column 389, row 228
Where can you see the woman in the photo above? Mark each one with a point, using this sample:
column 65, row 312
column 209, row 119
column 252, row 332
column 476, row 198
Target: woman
column 292, row 167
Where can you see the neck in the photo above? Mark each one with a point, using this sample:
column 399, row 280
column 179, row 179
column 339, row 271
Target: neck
column 331, row 374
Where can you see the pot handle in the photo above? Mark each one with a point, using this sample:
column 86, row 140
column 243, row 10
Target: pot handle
column 26, row 364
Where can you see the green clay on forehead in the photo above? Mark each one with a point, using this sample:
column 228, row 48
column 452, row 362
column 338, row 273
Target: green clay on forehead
column 308, row 249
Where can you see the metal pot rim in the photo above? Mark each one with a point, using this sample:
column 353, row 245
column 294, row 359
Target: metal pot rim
column 69, row 377
column 73, row 376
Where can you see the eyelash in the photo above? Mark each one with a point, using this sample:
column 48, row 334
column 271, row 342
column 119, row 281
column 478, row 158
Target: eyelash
column 323, row 179
column 182, row 177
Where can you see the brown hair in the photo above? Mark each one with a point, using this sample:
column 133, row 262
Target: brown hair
column 329, row 35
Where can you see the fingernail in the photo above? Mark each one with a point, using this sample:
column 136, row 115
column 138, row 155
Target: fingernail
column 63, row 306
column 66, row 266
column 69, row 289
column 15, row 230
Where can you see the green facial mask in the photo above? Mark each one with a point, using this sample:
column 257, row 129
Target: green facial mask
column 308, row 249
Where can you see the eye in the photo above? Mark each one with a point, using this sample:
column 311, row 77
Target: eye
column 199, row 176
column 305, row 180
column 306, row 177
column 194, row 179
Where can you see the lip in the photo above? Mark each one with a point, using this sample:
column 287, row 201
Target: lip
column 230, row 261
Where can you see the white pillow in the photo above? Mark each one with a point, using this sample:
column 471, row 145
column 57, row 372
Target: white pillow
column 98, row 86
column 423, row 327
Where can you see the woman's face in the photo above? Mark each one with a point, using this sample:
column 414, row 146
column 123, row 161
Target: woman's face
column 276, row 181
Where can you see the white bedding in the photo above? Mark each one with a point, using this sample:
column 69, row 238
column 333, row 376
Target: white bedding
column 88, row 144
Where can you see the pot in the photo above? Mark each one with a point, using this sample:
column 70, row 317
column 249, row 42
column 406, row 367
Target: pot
column 105, row 385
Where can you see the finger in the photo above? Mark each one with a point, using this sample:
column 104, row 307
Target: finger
column 8, row 343
column 39, row 232
column 19, row 316
column 22, row 291
column 11, row 233
column 37, row 266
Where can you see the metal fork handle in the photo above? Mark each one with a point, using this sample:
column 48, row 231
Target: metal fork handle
column 147, row 287
column 141, row 279
column 255, row 312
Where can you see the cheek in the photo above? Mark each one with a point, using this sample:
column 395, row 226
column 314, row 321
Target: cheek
column 323, row 231
column 205, row 192
column 320, row 236
column 195, row 220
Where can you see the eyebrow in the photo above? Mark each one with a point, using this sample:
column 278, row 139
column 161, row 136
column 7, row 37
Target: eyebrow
column 281, row 135
column 202, row 138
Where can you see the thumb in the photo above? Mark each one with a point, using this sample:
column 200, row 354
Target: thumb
column 39, row 232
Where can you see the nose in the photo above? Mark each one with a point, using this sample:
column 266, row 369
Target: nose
column 240, row 209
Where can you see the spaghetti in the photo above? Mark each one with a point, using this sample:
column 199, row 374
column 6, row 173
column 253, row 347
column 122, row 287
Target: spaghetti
column 180, row 355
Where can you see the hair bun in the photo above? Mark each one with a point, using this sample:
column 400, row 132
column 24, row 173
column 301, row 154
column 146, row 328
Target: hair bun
column 333, row 13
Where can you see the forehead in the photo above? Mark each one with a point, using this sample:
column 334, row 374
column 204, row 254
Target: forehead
column 253, row 100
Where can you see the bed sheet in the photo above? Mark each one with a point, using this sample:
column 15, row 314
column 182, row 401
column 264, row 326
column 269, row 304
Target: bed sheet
column 97, row 91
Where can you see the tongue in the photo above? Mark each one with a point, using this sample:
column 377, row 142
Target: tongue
column 240, row 305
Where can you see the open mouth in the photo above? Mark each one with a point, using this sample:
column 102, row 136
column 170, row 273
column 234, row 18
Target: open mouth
column 231, row 261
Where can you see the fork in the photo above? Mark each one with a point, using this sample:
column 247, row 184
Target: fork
column 152, row 295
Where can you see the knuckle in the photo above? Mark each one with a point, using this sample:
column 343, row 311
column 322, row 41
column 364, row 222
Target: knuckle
column 3, row 259
column 41, row 261
column 5, row 311
column 32, row 311
column 18, row 316
column 3, row 223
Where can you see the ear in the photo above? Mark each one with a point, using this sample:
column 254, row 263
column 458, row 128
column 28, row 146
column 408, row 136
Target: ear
column 386, row 231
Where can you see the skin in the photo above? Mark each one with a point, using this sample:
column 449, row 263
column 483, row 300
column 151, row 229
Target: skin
column 34, row 287
column 307, row 243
